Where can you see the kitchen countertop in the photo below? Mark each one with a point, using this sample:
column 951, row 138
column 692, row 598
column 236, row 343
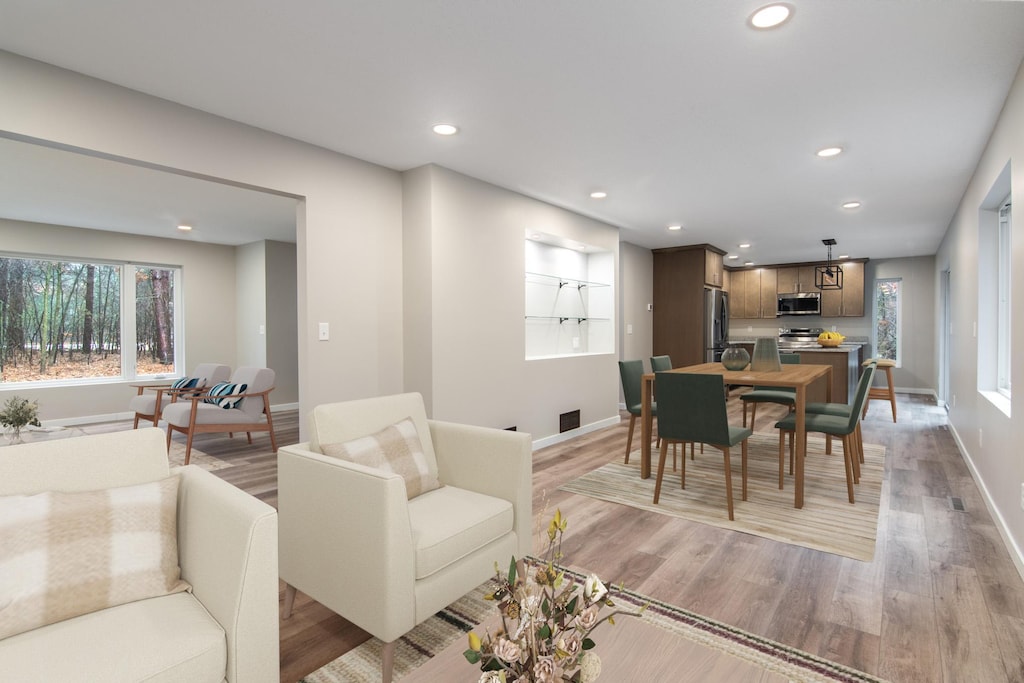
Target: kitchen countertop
column 845, row 347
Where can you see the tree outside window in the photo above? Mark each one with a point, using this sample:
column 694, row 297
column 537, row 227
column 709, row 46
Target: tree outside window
column 887, row 319
column 62, row 320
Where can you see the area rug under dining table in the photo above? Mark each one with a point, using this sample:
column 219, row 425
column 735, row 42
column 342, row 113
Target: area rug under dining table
column 449, row 627
column 827, row 522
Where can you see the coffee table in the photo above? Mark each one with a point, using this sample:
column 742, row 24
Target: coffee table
column 631, row 650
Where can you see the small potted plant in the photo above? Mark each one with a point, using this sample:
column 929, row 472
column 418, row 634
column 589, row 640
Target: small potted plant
column 17, row 413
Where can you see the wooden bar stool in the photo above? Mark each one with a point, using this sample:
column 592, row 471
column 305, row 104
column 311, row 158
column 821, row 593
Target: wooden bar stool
column 884, row 393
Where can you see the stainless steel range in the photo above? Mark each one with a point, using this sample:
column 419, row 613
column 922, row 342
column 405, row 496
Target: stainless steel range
column 799, row 337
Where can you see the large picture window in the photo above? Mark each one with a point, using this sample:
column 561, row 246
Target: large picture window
column 70, row 321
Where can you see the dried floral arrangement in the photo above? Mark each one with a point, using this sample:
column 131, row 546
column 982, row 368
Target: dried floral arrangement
column 547, row 618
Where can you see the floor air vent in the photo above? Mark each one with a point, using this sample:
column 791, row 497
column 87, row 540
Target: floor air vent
column 568, row 421
column 956, row 504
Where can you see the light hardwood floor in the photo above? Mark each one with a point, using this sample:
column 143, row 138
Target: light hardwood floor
column 942, row 600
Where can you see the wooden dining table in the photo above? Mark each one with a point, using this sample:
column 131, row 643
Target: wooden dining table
column 797, row 376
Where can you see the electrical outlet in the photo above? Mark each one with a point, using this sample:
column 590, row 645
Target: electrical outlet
column 576, row 342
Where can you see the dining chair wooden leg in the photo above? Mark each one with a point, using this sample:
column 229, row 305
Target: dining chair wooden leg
column 745, row 413
column 675, row 453
column 848, row 462
column 662, row 453
column 753, row 415
column 629, row 437
column 728, row 481
column 743, row 468
column 782, row 457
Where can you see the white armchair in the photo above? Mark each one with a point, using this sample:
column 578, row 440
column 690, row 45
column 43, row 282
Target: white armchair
column 352, row 540
column 150, row 399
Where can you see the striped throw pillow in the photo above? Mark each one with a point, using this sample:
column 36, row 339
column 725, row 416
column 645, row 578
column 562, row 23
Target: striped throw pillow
column 225, row 394
column 393, row 449
column 187, row 383
column 67, row 554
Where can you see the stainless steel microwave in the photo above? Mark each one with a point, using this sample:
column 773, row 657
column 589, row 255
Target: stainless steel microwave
column 799, row 303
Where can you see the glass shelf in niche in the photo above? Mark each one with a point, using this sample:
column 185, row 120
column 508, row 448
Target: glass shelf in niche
column 558, row 281
column 567, row 318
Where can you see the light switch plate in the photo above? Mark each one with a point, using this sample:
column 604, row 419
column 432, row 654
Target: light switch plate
column 324, row 332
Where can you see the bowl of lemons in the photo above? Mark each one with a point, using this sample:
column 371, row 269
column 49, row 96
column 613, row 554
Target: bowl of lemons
column 830, row 339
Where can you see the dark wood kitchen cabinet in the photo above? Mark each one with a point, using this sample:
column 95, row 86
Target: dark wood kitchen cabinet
column 681, row 275
column 847, row 302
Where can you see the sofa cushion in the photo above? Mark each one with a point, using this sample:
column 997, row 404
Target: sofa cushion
column 67, row 554
column 393, row 449
column 226, row 394
column 170, row 638
column 449, row 523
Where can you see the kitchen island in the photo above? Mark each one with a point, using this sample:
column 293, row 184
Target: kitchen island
column 845, row 360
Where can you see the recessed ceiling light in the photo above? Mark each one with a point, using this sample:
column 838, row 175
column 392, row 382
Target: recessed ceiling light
column 745, row 245
column 771, row 16
column 748, row 263
column 851, row 205
column 184, row 228
column 844, row 256
column 830, row 152
column 733, row 256
column 675, row 227
column 598, row 195
column 445, row 129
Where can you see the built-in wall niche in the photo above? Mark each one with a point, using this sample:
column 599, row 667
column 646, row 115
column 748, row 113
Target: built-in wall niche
column 569, row 300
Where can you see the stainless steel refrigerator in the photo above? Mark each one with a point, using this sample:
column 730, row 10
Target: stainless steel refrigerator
column 716, row 324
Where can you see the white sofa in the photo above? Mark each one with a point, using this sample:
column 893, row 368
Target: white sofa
column 351, row 539
column 225, row 629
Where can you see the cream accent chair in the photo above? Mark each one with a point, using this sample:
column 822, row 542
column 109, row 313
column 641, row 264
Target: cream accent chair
column 192, row 415
column 150, row 399
column 351, row 540
column 226, row 629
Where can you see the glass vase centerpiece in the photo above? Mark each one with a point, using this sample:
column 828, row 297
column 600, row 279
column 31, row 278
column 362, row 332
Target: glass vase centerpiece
column 735, row 358
column 766, row 355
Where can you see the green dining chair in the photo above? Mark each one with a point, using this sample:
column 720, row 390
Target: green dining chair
column 692, row 408
column 843, row 426
column 661, row 363
column 631, row 372
column 782, row 395
column 843, row 410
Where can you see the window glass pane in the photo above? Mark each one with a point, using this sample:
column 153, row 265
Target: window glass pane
column 59, row 320
column 887, row 319
column 1003, row 322
column 154, row 321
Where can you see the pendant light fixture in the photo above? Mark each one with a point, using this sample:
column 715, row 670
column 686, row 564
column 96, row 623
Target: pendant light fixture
column 828, row 276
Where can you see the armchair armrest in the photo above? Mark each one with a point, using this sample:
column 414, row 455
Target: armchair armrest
column 354, row 520
column 495, row 462
column 227, row 547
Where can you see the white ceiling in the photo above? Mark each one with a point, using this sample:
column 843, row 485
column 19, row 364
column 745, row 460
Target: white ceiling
column 677, row 108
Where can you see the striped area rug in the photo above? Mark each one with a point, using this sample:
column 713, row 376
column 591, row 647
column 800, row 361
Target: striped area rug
column 826, row 522
column 362, row 664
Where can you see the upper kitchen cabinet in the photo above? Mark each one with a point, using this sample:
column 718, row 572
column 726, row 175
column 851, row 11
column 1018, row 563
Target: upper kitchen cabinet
column 795, row 279
column 847, row 302
column 714, row 271
column 753, row 292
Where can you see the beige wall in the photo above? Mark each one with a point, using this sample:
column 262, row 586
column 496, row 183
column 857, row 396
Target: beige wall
column 282, row 321
column 465, row 259
column 349, row 217
column 989, row 438
column 251, row 307
column 636, row 268
column 203, row 268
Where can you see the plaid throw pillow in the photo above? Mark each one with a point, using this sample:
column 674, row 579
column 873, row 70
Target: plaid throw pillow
column 67, row 554
column 393, row 449
column 225, row 394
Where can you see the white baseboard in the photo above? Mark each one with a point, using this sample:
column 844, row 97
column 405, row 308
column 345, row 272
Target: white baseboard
column 1015, row 550
column 572, row 433
column 128, row 415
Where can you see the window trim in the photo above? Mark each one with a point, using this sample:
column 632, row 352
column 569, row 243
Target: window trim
column 1004, row 310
